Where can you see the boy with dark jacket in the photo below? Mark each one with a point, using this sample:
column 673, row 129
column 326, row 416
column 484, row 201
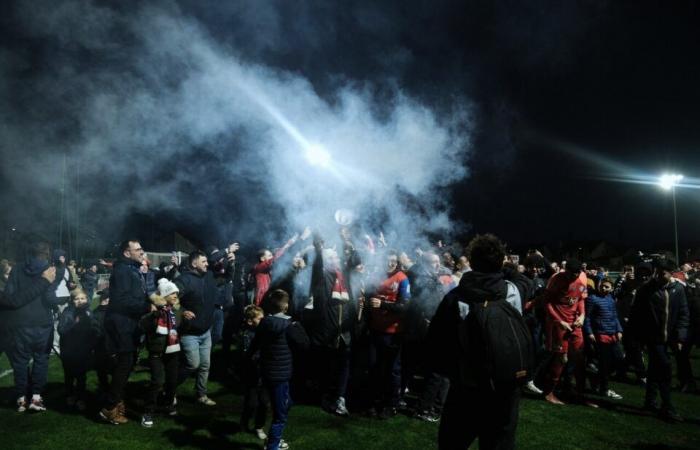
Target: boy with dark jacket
column 274, row 338
column 256, row 401
column 604, row 330
column 78, row 329
column 163, row 347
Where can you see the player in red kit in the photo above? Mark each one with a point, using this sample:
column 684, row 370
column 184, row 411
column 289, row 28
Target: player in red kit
column 565, row 297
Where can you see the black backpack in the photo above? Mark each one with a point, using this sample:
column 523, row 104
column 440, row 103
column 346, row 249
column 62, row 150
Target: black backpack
column 495, row 345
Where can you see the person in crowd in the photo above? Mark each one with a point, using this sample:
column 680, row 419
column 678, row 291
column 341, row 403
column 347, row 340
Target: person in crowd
column 275, row 338
column 427, row 291
column 217, row 265
column 148, row 275
column 336, row 313
column 89, row 281
column 476, row 405
column 103, row 359
column 63, row 285
column 256, row 401
column 163, row 344
column 387, row 305
column 461, row 267
column 198, row 297
column 685, row 371
column 625, row 293
column 26, row 317
column 128, row 303
column 263, row 269
column 236, row 272
column 78, row 329
column 564, row 298
column 604, row 330
column 659, row 318
column 5, row 269
column 72, row 268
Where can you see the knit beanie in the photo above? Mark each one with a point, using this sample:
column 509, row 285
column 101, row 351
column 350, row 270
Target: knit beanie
column 166, row 287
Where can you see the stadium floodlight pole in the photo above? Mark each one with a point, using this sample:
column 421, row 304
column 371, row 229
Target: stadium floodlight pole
column 669, row 182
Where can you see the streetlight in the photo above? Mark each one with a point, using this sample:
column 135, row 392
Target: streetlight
column 669, row 182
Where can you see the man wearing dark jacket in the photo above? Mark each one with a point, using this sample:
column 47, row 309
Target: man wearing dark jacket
column 25, row 312
column 659, row 319
column 128, row 302
column 198, row 298
column 474, row 408
column 336, row 317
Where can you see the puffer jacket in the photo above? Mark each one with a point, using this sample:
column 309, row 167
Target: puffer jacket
column 275, row 337
column 601, row 316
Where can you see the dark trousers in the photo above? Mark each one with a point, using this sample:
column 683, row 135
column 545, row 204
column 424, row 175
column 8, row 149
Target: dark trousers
column 434, row 393
column 633, row 357
column 30, row 343
column 164, row 373
column 123, row 364
column 280, row 402
column 336, row 370
column 685, row 371
column 75, row 368
column 609, row 357
column 256, row 402
column 217, row 326
column 104, row 366
column 470, row 413
column 385, row 368
column 659, row 376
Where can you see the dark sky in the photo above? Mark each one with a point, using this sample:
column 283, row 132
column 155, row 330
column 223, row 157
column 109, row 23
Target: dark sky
column 566, row 94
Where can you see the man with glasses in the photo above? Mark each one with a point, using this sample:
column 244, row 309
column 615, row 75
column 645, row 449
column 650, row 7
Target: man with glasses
column 128, row 303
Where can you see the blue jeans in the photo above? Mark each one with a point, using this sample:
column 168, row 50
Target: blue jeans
column 29, row 343
column 280, row 402
column 196, row 350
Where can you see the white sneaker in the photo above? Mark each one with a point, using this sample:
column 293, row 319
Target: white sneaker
column 613, row 395
column 37, row 404
column 206, row 401
column 339, row 408
column 530, row 387
column 21, row 404
column 260, row 434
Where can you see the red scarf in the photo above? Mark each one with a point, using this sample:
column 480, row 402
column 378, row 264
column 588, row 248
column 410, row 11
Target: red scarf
column 165, row 325
column 340, row 291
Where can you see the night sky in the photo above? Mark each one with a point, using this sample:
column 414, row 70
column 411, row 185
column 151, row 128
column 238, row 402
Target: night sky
column 563, row 95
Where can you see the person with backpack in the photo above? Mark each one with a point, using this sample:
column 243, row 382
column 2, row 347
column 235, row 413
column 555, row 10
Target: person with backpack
column 480, row 341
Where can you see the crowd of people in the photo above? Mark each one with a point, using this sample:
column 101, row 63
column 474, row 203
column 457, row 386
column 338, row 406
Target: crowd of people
column 445, row 334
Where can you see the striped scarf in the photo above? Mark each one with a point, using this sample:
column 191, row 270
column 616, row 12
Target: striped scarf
column 165, row 325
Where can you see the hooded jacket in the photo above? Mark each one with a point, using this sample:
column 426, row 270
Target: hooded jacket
column 443, row 334
column 78, row 339
column 660, row 313
column 198, row 294
column 28, row 298
column 273, row 338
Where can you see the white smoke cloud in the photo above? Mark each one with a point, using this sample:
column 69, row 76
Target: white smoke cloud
column 158, row 85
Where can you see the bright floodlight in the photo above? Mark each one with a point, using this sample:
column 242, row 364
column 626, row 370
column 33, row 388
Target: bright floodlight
column 669, row 181
column 317, row 156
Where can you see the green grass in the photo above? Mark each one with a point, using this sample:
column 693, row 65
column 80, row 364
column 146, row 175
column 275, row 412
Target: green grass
column 541, row 425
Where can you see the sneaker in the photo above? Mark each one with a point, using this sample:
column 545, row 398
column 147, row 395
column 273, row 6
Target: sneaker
column 260, row 433
column 402, row 404
column 282, row 445
column 531, row 388
column 339, row 408
column 206, row 401
column 147, row 421
column 613, row 395
column 21, row 404
column 37, row 405
column 170, row 411
column 427, row 416
column 113, row 416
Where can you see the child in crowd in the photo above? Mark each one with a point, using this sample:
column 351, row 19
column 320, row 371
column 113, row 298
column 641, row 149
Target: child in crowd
column 603, row 329
column 163, row 346
column 274, row 338
column 78, row 330
column 256, row 400
column 103, row 360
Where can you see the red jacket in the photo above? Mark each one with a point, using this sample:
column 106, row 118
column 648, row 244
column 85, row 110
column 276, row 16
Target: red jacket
column 262, row 271
column 395, row 292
